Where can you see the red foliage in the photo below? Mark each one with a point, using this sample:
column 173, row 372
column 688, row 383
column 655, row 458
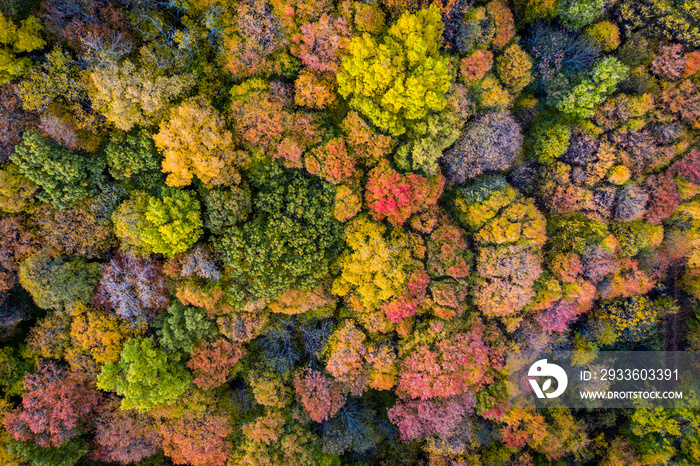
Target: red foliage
column 212, row 363
column 688, row 167
column 266, row 428
column 416, row 419
column 505, row 25
column 366, row 145
column 406, row 304
column 263, row 119
column 681, row 99
column 448, row 297
column 396, row 197
column 664, row 198
column 566, row 267
column 320, row 44
column 627, row 282
column 448, row 252
column 15, row 244
column 55, row 407
column 197, row 439
column 124, row 436
column 454, row 365
column 290, row 153
column 561, row 196
column 331, row 161
column 692, row 63
column 669, row 62
column 76, row 21
column 476, row 65
column 558, row 317
column 260, row 118
column 320, row 396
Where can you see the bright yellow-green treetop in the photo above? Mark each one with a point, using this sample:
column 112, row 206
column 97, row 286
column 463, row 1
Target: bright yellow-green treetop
column 195, row 142
column 14, row 40
column 400, row 79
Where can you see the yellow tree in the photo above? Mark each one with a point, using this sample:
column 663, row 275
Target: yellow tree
column 195, row 142
column 398, row 97
column 100, row 333
column 128, row 95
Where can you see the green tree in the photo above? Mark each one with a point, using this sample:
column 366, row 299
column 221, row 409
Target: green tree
column 182, row 327
column 58, row 282
column 592, row 91
column 133, row 157
column 173, row 224
column 67, row 454
column 13, row 367
column 574, row 14
column 226, row 207
column 168, row 226
column 289, row 241
column 15, row 40
column 57, row 77
column 145, row 376
column 64, row 177
column 398, row 96
column 549, row 140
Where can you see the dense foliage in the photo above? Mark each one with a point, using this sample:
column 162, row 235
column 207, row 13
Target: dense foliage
column 311, row 232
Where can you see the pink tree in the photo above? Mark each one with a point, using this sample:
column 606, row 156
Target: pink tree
column 319, row 395
column 453, row 365
column 420, row 418
column 55, row 408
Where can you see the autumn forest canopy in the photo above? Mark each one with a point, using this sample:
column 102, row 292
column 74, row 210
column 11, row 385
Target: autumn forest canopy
column 309, row 232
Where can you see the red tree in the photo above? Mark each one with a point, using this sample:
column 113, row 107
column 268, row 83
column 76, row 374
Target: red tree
column 396, row 197
column 406, row 304
column 55, row 407
column 320, row 396
column 688, row 167
column 197, row 439
column 558, row 317
column 664, row 198
column 212, row 362
column 420, row 418
column 448, row 252
column 124, row 436
column 320, row 44
column 451, row 366
column 331, row 161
